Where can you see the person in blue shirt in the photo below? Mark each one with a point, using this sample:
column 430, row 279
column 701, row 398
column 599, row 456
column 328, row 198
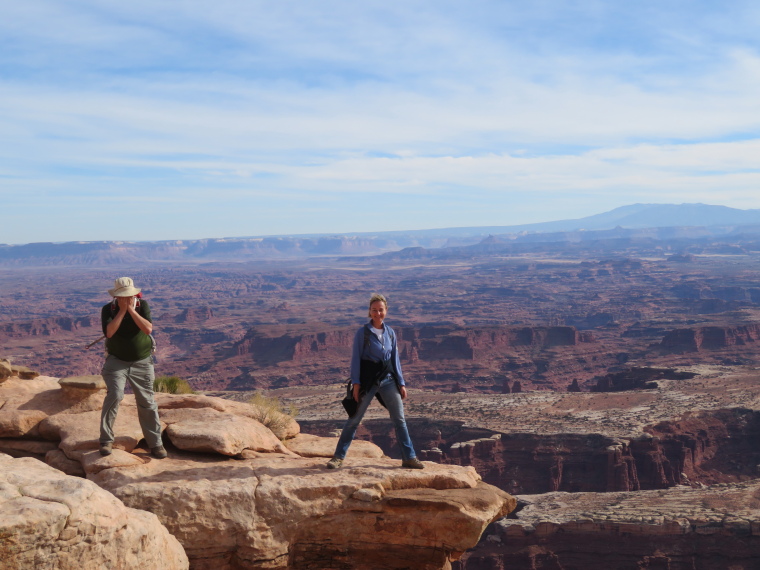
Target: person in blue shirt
column 376, row 370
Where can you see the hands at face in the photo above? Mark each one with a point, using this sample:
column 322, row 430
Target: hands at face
column 126, row 303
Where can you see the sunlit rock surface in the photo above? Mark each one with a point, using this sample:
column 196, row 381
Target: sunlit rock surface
column 52, row 521
column 232, row 493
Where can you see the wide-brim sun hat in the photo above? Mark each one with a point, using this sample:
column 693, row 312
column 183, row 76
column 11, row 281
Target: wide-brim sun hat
column 124, row 287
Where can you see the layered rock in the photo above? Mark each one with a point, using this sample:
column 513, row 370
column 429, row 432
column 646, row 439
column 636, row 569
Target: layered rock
column 637, row 378
column 51, row 521
column 712, row 528
column 277, row 511
column 709, row 338
column 704, row 446
column 274, row 505
column 427, row 343
column 45, row 327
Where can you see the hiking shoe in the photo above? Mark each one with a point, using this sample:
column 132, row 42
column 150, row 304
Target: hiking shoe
column 412, row 463
column 106, row 448
column 158, row 452
column 335, row 463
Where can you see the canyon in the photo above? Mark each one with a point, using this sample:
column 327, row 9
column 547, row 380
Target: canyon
column 608, row 382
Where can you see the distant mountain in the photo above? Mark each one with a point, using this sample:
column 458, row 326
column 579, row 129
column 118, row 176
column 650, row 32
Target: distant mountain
column 663, row 216
column 720, row 219
column 635, row 216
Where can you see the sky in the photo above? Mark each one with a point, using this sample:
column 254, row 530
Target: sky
column 188, row 119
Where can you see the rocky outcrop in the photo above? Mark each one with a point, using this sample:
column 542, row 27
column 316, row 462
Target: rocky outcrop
column 712, row 528
column 638, row 379
column 706, row 446
column 426, row 343
column 51, row 521
column 709, row 338
column 5, row 370
column 193, row 315
column 208, row 430
column 235, row 496
column 276, row 511
column 45, row 327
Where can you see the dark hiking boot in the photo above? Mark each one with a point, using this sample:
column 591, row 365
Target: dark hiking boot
column 158, row 452
column 106, row 448
column 412, row 463
column 335, row 463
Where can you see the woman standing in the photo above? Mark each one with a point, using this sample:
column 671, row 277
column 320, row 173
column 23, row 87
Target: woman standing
column 376, row 370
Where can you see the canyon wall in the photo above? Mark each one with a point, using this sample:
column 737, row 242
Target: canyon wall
column 709, row 338
column 702, row 447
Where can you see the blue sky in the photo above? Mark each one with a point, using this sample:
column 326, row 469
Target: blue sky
column 149, row 120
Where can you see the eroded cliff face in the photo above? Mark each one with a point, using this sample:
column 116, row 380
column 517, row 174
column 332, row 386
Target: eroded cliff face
column 701, row 447
column 715, row 528
column 231, row 492
column 709, row 338
column 426, row 343
column 46, row 327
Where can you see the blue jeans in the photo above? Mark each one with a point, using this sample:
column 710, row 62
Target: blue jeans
column 389, row 392
column 139, row 374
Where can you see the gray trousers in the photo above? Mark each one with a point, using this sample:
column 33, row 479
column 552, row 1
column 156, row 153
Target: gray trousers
column 140, row 376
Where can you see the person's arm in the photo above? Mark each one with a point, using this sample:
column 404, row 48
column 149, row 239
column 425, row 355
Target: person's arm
column 397, row 368
column 114, row 324
column 396, row 361
column 356, row 359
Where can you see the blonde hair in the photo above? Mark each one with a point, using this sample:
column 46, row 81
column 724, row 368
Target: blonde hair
column 374, row 299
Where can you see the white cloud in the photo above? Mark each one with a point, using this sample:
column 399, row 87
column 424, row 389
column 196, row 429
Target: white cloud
column 425, row 100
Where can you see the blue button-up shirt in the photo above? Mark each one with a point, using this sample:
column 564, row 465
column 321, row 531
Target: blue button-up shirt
column 376, row 351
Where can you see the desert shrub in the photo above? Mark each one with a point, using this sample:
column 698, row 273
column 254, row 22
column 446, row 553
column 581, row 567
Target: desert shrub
column 172, row 385
column 268, row 411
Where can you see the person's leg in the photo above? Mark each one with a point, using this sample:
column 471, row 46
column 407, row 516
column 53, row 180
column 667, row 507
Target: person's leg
column 390, row 394
column 114, row 374
column 349, row 428
column 141, row 377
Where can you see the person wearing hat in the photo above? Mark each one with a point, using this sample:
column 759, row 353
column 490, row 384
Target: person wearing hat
column 127, row 327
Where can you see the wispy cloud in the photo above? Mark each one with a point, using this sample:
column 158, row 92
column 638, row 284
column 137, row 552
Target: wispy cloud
column 246, row 117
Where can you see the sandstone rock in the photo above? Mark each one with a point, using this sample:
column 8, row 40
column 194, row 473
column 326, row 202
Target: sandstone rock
column 285, row 512
column 5, row 370
column 93, row 462
column 388, row 534
column 81, row 432
column 715, row 525
column 263, row 509
column 207, row 430
column 176, row 401
column 26, row 447
column 282, row 425
column 57, row 459
column 55, row 522
column 307, row 445
column 24, row 373
column 26, row 403
column 80, row 387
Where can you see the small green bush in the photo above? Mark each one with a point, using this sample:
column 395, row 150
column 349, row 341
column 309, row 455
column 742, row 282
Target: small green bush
column 269, row 412
column 172, row 385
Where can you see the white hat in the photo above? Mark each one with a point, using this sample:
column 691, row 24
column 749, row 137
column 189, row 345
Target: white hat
column 124, row 287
